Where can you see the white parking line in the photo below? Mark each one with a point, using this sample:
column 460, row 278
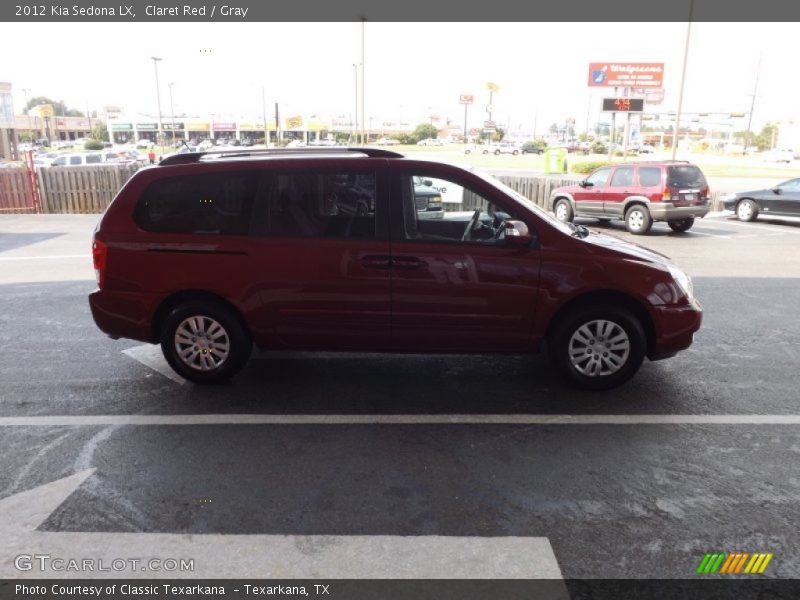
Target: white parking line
column 763, row 227
column 415, row 419
column 51, row 257
column 259, row 555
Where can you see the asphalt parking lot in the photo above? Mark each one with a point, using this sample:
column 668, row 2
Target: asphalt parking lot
column 448, row 461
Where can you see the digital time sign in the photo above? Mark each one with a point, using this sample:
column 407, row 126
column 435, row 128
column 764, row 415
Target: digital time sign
column 623, row 104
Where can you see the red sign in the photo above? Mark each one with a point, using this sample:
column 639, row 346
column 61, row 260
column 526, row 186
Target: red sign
column 644, row 75
column 466, row 99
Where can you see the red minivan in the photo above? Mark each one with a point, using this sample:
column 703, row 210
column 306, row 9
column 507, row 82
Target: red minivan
column 210, row 253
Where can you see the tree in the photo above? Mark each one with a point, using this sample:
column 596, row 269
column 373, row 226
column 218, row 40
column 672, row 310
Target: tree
column 498, row 135
column 100, row 133
column 424, row 131
column 59, row 107
column 554, row 128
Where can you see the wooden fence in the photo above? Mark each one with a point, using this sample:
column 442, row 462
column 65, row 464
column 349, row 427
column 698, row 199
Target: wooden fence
column 16, row 191
column 82, row 189
column 90, row 189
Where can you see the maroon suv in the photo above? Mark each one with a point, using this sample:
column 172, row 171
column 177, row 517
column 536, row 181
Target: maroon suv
column 208, row 254
column 639, row 193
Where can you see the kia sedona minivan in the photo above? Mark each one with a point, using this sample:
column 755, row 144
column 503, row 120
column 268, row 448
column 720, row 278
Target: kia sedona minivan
column 325, row 249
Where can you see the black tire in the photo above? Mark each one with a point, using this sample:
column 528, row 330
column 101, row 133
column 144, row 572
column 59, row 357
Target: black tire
column 515, row 152
column 467, row 151
column 497, row 152
column 638, row 220
column 746, row 210
column 563, row 206
column 233, row 331
column 681, row 225
column 561, row 343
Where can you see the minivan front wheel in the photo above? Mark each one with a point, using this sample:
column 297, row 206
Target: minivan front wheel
column 599, row 347
column 638, row 220
column 204, row 342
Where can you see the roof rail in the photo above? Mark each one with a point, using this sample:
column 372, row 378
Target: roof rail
column 194, row 157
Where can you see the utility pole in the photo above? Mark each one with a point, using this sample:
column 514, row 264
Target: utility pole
column 278, row 136
column 752, row 107
column 355, row 110
column 264, row 111
column 172, row 110
column 363, row 81
column 683, row 81
column 156, row 60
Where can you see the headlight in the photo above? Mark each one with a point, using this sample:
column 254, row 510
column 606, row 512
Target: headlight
column 434, row 199
column 683, row 281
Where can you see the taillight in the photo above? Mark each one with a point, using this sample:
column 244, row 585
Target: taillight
column 666, row 196
column 99, row 257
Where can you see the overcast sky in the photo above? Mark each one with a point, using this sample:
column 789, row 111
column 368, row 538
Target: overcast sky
column 412, row 69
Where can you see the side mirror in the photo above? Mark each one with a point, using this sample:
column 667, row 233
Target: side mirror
column 517, row 234
column 777, row 190
column 585, row 184
column 427, row 182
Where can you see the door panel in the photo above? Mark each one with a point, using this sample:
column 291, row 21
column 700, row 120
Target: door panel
column 319, row 293
column 453, row 295
column 320, row 258
column 462, row 297
column 589, row 200
column 620, row 186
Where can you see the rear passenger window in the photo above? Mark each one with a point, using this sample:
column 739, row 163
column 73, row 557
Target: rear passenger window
column 319, row 204
column 93, row 159
column 212, row 203
column 622, row 176
column 649, row 176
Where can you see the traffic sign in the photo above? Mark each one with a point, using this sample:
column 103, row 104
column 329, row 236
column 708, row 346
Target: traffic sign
column 466, row 99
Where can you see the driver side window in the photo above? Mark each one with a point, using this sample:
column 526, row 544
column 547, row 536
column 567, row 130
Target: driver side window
column 436, row 209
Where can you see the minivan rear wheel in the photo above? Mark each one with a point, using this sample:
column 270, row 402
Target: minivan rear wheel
column 598, row 347
column 638, row 220
column 204, row 342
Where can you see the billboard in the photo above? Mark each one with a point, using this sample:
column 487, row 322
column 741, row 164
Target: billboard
column 643, row 75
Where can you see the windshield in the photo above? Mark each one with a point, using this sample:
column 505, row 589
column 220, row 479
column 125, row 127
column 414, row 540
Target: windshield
column 564, row 227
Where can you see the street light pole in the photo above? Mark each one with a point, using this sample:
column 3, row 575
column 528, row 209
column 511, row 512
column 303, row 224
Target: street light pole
column 355, row 111
column 752, row 106
column 363, row 81
column 27, row 112
column 264, row 111
column 683, row 81
column 172, row 110
column 156, row 60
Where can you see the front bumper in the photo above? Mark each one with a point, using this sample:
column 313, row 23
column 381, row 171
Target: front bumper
column 675, row 328
column 667, row 211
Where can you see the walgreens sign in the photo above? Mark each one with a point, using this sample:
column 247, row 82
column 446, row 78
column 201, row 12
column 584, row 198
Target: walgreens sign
column 643, row 75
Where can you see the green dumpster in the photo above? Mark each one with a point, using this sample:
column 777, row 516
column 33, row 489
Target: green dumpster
column 555, row 160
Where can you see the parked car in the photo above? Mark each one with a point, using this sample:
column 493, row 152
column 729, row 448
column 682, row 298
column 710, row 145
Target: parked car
column 430, row 142
column 427, row 199
column 784, row 156
column 81, row 159
column 385, row 141
column 579, row 147
column 640, row 193
column 477, row 149
column 144, row 143
column 532, row 148
column 210, row 256
column 782, row 200
column 506, row 148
